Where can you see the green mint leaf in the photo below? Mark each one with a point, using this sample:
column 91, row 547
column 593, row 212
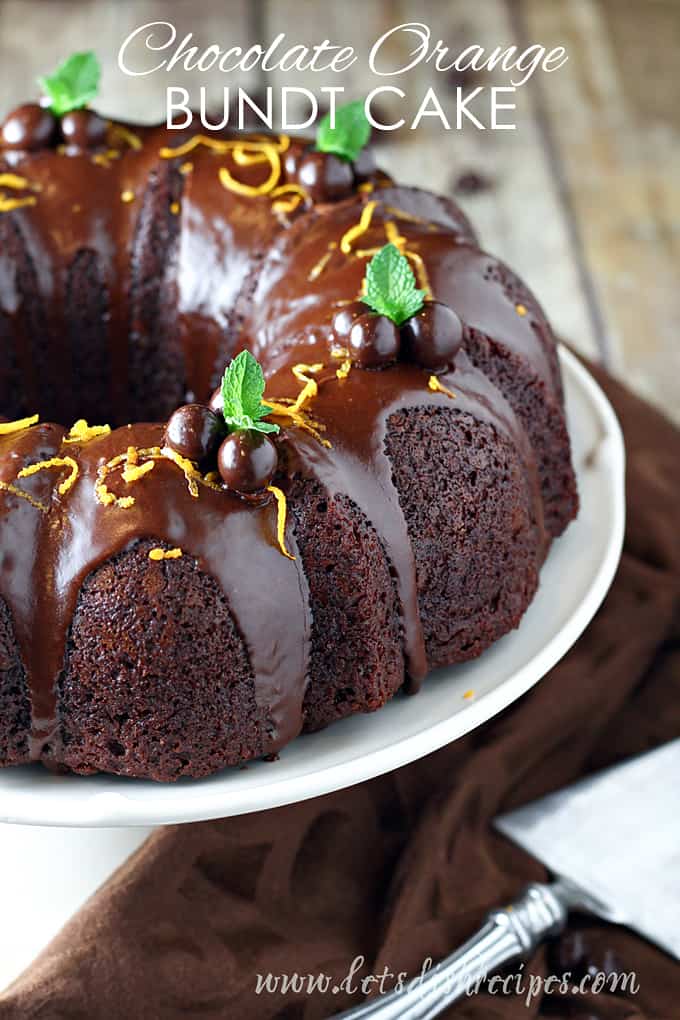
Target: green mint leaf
column 242, row 391
column 265, row 426
column 350, row 134
column 73, row 85
column 391, row 286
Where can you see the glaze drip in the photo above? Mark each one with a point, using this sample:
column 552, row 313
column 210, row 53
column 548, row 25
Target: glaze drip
column 233, row 541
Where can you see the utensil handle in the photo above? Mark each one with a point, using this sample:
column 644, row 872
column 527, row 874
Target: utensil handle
column 507, row 935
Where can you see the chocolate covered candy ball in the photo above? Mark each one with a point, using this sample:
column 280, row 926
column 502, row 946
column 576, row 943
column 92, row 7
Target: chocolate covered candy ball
column 28, row 128
column 432, row 337
column 344, row 319
column 373, row 341
column 324, row 176
column 84, row 129
column 194, row 431
column 247, row 461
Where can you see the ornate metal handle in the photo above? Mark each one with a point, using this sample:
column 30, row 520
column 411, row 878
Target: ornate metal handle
column 507, row 935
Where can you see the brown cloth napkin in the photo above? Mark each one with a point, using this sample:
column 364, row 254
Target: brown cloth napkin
column 403, row 867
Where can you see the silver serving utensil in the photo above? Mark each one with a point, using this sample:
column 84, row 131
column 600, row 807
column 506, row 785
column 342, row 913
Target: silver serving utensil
column 613, row 843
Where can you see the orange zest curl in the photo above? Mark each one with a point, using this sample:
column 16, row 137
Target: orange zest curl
column 348, row 238
column 15, row 183
column 344, row 370
column 9, row 204
column 8, row 427
column 101, row 490
column 421, row 272
column 69, row 462
column 393, row 236
column 218, row 145
column 254, row 151
column 318, row 269
column 231, row 184
column 16, row 491
column 137, row 463
column 284, row 410
column 133, row 470
column 399, row 241
column 105, row 158
column 281, row 513
column 521, row 310
column 119, row 131
column 244, row 155
column 302, row 373
column 224, row 145
column 434, row 384
column 164, row 554
column 193, row 476
column 288, row 197
column 81, row 432
column 130, row 459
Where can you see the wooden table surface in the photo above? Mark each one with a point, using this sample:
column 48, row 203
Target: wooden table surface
column 583, row 198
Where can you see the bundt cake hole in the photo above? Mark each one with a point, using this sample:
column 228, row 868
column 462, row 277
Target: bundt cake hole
column 31, row 382
column 156, row 370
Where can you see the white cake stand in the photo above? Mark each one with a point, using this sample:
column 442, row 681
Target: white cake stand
column 574, row 581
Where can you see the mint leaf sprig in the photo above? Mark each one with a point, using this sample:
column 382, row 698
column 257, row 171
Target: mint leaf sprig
column 73, row 85
column 242, row 392
column 391, row 286
column 350, row 134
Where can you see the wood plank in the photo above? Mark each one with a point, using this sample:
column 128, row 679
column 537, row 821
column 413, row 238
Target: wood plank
column 617, row 134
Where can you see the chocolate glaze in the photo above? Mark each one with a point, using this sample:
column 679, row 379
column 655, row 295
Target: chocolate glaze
column 291, row 302
column 355, row 412
column 243, row 273
column 47, row 556
column 24, row 568
column 87, row 201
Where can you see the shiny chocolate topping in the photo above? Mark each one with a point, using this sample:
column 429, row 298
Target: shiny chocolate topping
column 83, row 129
column 195, row 431
column 247, row 461
column 28, row 128
column 57, row 540
column 433, row 336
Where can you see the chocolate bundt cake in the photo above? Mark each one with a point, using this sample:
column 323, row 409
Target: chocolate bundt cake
column 183, row 596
